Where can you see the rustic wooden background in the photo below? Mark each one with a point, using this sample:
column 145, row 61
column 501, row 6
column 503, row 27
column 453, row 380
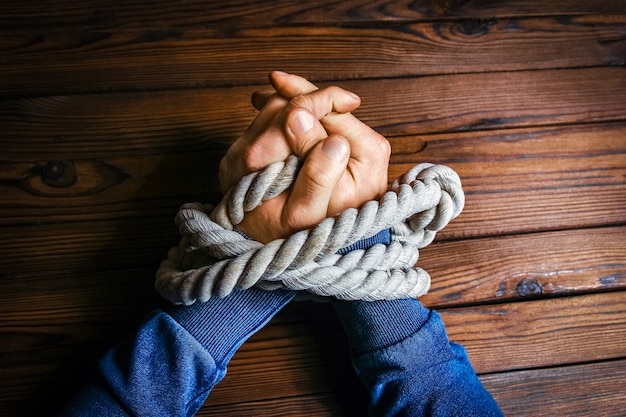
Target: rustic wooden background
column 114, row 113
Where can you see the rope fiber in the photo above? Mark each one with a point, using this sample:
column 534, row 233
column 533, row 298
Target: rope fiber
column 213, row 259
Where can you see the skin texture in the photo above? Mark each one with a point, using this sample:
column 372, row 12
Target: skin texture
column 345, row 161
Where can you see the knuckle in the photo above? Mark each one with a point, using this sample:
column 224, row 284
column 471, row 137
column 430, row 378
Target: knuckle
column 380, row 145
column 251, row 157
column 385, row 146
column 336, row 95
column 295, row 221
column 334, row 90
column 299, row 102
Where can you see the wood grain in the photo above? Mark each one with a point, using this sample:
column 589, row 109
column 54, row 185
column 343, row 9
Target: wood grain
column 293, row 358
column 88, row 246
column 56, row 191
column 529, row 179
column 88, row 62
column 72, row 14
column 580, row 390
column 113, row 114
column 463, row 102
column 529, row 266
column 318, row 404
column 541, row 333
column 55, row 326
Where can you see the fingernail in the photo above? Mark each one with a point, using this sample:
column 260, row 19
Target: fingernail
column 335, row 148
column 301, row 122
column 277, row 72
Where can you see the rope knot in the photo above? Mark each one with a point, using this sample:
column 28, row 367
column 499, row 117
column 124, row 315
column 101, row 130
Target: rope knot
column 212, row 259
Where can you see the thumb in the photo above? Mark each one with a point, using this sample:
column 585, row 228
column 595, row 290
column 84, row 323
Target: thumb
column 322, row 170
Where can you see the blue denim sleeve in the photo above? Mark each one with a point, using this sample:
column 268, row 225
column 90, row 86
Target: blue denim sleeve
column 409, row 367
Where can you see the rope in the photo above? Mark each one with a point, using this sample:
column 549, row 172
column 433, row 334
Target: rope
column 213, row 259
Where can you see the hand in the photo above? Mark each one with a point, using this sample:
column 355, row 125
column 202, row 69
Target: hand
column 266, row 141
column 344, row 169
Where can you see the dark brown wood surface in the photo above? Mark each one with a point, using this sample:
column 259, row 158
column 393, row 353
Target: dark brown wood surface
column 113, row 114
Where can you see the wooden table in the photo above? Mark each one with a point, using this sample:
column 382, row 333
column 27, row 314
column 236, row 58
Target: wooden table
column 113, row 114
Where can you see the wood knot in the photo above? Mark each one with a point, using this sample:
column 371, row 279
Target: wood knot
column 473, row 27
column 528, row 287
column 59, row 174
column 71, row 178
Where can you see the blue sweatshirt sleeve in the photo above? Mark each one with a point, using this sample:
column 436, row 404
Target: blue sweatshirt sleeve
column 401, row 352
column 169, row 367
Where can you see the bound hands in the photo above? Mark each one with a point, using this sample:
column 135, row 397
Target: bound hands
column 345, row 161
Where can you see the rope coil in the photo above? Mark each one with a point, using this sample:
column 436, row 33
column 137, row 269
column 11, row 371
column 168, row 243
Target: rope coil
column 213, row 259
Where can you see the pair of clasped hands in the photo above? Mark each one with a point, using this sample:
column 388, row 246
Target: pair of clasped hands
column 345, row 161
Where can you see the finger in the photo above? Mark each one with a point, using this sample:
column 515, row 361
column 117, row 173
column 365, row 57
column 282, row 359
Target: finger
column 322, row 170
column 326, row 101
column 287, row 85
column 368, row 165
column 302, row 127
column 365, row 143
column 290, row 85
column 303, row 131
column 257, row 147
column 261, row 98
column 271, row 110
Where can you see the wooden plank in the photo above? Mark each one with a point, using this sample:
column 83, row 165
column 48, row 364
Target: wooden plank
column 90, row 246
column 55, row 326
column 303, row 351
column 541, row 333
column 470, row 102
column 48, row 316
column 293, row 366
column 514, row 180
column 463, row 102
column 465, row 272
column 101, row 126
column 581, row 390
column 529, row 266
column 174, row 59
column 529, row 179
column 55, row 191
column 333, row 404
column 142, row 240
column 20, row 387
column 32, row 15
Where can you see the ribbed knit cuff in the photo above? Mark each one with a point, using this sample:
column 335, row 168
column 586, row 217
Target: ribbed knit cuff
column 372, row 325
column 221, row 325
column 382, row 237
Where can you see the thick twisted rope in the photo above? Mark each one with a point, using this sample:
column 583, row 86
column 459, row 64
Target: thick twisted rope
column 213, row 259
